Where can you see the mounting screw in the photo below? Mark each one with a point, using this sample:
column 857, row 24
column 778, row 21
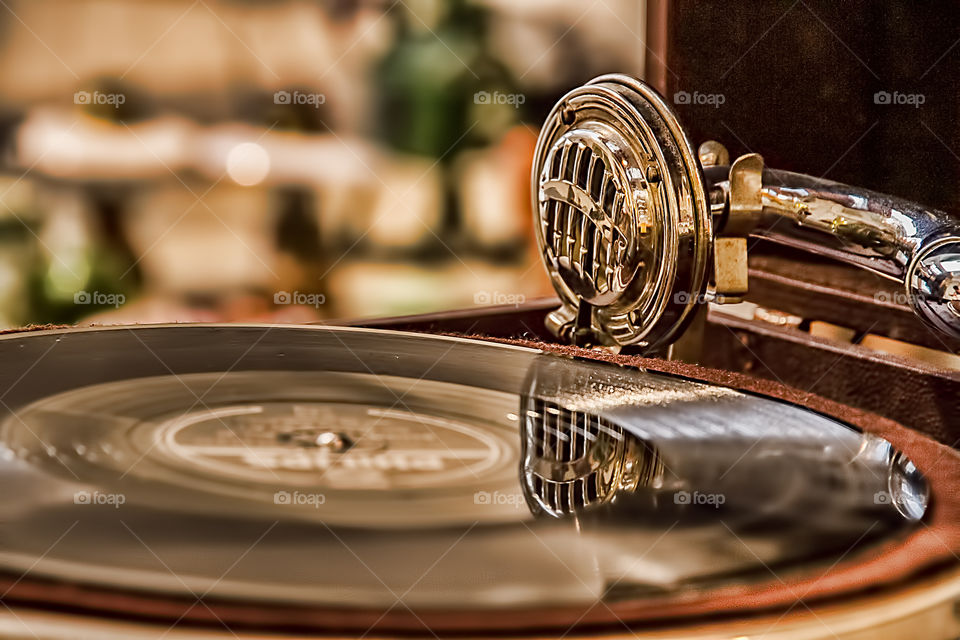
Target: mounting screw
column 713, row 154
column 653, row 174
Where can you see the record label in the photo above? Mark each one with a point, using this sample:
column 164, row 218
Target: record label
column 333, row 444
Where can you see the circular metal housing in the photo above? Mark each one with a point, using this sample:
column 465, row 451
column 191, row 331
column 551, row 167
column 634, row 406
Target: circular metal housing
column 621, row 215
column 933, row 284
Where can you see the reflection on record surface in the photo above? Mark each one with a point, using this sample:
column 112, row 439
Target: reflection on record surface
column 350, row 468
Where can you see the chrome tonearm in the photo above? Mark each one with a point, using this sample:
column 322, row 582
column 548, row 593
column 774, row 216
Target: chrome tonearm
column 636, row 230
column 895, row 238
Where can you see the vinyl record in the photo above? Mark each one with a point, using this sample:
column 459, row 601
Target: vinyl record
column 349, row 479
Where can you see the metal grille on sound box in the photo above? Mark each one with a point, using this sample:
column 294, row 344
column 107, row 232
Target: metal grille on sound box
column 574, row 459
column 582, row 219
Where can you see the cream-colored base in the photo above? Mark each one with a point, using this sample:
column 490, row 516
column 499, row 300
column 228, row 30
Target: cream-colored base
column 926, row 610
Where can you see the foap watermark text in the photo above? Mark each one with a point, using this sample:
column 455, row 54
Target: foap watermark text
column 498, row 297
column 99, row 298
column 710, row 99
column 99, row 498
column 699, row 498
column 299, row 297
column 99, row 97
column 315, row 500
column 298, row 97
column 498, row 498
column 914, row 100
column 498, row 97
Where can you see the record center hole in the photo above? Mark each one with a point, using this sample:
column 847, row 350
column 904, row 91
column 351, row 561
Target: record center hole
column 315, row 439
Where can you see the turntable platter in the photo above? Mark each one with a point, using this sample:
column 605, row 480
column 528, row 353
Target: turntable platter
column 389, row 474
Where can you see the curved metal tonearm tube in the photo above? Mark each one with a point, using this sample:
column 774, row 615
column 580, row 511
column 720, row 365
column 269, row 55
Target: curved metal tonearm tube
column 895, row 238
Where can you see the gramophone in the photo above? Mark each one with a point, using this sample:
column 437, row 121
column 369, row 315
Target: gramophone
column 598, row 465
column 637, row 231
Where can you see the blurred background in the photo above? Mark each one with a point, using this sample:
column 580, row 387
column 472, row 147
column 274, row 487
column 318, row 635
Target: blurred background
column 285, row 161
column 294, row 161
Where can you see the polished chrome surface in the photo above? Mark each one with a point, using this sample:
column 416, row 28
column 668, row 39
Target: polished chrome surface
column 342, row 467
column 591, row 230
column 575, row 459
column 898, row 239
column 626, row 222
column 622, row 219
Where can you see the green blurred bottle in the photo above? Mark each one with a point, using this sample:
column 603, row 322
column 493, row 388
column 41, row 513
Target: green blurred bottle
column 428, row 84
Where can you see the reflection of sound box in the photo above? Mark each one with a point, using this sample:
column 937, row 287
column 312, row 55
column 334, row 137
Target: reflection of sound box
column 536, row 471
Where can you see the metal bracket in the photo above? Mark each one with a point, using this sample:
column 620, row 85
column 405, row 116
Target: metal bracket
column 746, row 202
column 730, row 269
